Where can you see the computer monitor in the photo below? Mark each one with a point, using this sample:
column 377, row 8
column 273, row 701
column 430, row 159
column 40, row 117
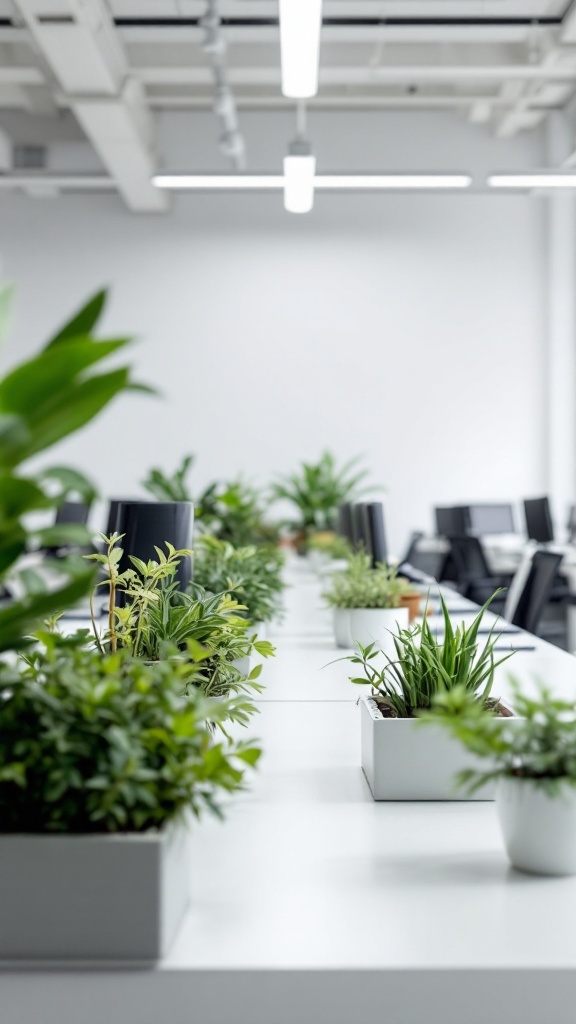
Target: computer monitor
column 72, row 512
column 486, row 519
column 538, row 520
column 453, row 521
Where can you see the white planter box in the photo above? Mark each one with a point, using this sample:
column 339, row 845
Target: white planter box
column 377, row 626
column 403, row 760
column 92, row 897
column 539, row 830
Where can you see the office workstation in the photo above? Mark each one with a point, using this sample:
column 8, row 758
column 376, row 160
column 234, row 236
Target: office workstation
column 287, row 511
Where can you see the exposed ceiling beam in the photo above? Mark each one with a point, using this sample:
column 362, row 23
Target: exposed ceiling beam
column 80, row 45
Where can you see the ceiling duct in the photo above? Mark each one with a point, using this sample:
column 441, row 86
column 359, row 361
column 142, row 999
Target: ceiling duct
column 214, row 46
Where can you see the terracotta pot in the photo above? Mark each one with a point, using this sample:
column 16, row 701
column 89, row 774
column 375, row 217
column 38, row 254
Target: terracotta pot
column 412, row 602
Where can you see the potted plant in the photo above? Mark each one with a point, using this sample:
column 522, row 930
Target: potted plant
column 315, row 491
column 156, row 621
column 101, row 761
column 253, row 574
column 230, row 510
column 401, row 761
column 366, row 604
column 532, row 760
column 327, row 550
column 410, row 598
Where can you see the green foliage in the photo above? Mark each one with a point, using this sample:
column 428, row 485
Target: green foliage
column 360, row 586
column 207, row 631
column 232, row 511
column 42, row 401
column 93, row 743
column 424, row 667
column 252, row 573
column 318, row 488
column 539, row 746
column 170, row 487
column 329, row 543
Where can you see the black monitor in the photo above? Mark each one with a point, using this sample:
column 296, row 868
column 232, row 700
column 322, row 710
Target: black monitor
column 72, row 512
column 538, row 520
column 486, row 519
column 453, row 521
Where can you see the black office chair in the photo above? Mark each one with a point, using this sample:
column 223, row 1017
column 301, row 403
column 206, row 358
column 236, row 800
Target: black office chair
column 473, row 576
column 431, row 563
column 537, row 590
column 374, row 531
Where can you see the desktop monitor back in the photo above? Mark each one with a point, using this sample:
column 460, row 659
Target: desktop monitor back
column 485, row 519
column 538, row 520
column 453, row 521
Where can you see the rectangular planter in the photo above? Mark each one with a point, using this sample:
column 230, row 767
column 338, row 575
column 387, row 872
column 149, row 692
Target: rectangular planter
column 403, row 760
column 93, row 897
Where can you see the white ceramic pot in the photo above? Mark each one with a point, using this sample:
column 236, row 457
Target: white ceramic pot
column 377, row 626
column 341, row 622
column 539, row 829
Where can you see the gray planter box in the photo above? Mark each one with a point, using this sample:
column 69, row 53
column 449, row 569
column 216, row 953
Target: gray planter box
column 92, row 897
column 403, row 760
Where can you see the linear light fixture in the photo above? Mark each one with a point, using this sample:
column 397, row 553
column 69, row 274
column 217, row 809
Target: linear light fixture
column 336, row 182
column 300, row 24
column 533, row 180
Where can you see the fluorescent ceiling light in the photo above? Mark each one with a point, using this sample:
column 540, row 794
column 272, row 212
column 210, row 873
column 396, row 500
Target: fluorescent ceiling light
column 378, row 182
column 544, row 180
column 229, row 182
column 299, row 182
column 300, row 23
column 358, row 182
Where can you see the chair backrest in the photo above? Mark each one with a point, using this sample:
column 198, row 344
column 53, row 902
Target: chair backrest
column 374, row 530
column 430, row 561
column 469, row 559
column 536, row 591
column 345, row 525
column 453, row 521
column 538, row 520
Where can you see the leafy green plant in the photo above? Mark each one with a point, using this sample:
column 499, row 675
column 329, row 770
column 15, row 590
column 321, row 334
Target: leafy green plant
column 105, row 743
column 318, row 488
column 232, row 511
column 540, row 745
column 158, row 622
column 360, row 586
column 170, row 487
column 329, row 543
column 425, row 667
column 252, row 574
column 42, row 401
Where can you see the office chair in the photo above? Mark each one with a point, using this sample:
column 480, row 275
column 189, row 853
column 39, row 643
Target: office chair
column 430, row 563
column 372, row 513
column 538, row 520
column 528, row 600
column 473, row 576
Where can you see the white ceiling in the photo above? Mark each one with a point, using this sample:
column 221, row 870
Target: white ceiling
column 111, row 64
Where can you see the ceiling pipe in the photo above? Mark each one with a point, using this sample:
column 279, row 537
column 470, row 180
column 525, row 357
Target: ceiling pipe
column 214, row 46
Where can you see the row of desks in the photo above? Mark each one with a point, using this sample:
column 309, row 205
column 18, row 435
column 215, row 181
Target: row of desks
column 315, row 905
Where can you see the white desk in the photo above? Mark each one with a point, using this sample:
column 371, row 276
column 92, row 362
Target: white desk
column 314, row 905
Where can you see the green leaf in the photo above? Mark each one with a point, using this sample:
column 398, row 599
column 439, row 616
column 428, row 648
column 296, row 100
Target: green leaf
column 84, row 321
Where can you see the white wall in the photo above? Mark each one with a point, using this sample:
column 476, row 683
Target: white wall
column 408, row 328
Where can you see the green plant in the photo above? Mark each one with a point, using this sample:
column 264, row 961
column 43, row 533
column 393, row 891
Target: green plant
column 360, row 586
column 252, row 574
column 317, row 489
column 540, row 745
column 329, row 543
column 170, row 487
column 424, row 666
column 105, row 743
column 42, row 401
column 158, row 622
column 233, row 511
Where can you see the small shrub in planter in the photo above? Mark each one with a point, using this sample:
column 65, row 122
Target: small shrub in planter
column 252, row 574
column 366, row 603
column 101, row 758
column 532, row 759
column 400, row 760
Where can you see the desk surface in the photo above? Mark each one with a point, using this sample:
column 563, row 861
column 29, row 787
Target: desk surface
column 313, row 904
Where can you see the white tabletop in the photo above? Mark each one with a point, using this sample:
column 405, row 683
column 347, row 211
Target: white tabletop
column 313, row 904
